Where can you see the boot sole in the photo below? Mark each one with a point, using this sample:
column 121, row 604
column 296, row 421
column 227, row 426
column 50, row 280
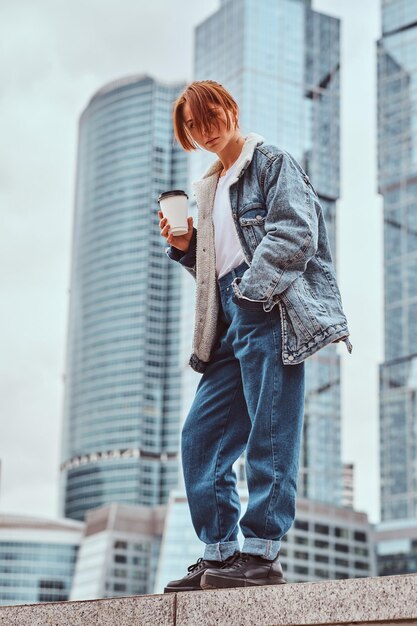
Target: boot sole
column 177, row 589
column 219, row 582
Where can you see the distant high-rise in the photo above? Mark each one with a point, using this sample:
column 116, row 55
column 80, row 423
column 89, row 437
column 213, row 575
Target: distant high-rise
column 122, row 378
column 397, row 182
column 118, row 552
column 280, row 60
column 37, row 558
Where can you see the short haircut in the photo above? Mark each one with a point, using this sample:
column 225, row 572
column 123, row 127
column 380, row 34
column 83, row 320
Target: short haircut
column 200, row 96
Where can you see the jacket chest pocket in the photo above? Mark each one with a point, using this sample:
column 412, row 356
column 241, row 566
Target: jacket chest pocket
column 252, row 222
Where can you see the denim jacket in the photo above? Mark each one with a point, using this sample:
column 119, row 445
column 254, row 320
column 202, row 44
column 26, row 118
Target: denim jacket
column 280, row 227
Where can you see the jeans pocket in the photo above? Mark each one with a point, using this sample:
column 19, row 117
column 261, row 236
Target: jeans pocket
column 248, row 305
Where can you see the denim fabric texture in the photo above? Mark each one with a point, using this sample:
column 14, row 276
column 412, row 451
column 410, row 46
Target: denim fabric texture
column 280, row 226
column 247, row 399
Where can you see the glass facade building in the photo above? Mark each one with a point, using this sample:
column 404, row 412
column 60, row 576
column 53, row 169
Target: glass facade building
column 37, row 559
column 281, row 61
column 122, row 376
column 397, row 182
column 396, row 547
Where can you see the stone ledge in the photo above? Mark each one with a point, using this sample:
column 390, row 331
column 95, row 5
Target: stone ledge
column 385, row 601
column 158, row 610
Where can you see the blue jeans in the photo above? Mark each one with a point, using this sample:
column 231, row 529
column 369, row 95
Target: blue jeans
column 245, row 400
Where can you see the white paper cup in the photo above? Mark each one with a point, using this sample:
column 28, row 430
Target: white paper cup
column 174, row 206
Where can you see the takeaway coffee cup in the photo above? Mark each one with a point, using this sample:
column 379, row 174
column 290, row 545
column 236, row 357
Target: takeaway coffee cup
column 174, row 206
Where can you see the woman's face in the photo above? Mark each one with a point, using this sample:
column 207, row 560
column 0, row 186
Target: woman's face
column 218, row 136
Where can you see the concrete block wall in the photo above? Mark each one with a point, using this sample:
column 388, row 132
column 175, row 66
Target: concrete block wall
column 384, row 601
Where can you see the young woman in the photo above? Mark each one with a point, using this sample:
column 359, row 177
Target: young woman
column 266, row 299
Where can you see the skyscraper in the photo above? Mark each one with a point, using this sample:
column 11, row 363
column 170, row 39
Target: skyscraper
column 122, row 377
column 281, row 60
column 397, row 182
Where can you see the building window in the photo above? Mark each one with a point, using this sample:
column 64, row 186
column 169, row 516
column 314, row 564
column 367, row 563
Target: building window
column 360, row 565
column 119, row 573
column 322, row 573
column 301, row 540
column 120, row 558
column 341, row 547
column 321, row 529
column 301, row 525
column 301, row 555
column 321, row 558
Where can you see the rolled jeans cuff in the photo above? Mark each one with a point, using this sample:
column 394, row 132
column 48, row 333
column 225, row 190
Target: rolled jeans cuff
column 265, row 548
column 220, row 551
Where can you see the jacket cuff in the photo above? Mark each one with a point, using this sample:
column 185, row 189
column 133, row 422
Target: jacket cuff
column 185, row 258
column 247, row 305
column 242, row 298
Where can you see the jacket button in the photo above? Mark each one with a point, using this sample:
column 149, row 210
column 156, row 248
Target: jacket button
column 259, row 217
column 291, row 358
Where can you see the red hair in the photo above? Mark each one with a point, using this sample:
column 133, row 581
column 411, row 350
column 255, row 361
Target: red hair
column 201, row 96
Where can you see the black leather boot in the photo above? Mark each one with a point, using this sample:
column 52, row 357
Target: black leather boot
column 244, row 570
column 191, row 581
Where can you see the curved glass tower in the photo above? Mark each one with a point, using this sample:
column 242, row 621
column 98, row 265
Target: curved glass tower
column 122, row 379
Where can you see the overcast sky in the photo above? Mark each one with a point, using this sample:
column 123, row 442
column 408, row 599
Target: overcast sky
column 53, row 55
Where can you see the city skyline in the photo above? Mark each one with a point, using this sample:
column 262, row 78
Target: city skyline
column 43, row 364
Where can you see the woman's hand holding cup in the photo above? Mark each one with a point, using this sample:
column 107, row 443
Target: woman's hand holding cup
column 181, row 242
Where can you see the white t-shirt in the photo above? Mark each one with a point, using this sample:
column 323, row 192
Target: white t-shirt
column 228, row 250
